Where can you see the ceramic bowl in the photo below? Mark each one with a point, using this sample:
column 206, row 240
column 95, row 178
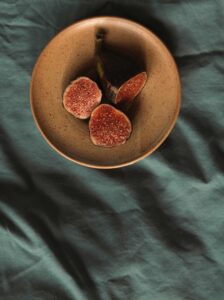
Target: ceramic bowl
column 67, row 55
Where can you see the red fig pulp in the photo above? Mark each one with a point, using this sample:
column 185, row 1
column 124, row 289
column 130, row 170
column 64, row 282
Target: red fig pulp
column 81, row 97
column 109, row 126
column 130, row 89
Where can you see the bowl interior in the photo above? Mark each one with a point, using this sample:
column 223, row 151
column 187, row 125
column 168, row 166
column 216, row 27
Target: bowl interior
column 71, row 52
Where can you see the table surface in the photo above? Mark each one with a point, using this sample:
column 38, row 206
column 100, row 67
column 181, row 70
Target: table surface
column 151, row 231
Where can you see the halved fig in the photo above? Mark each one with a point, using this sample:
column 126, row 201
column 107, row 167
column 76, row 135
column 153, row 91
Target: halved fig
column 130, row 89
column 109, row 126
column 81, row 97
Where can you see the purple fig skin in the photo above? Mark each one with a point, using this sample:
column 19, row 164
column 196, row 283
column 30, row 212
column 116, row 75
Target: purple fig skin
column 81, row 97
column 109, row 127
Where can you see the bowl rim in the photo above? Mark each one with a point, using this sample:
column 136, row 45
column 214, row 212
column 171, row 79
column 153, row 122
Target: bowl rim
column 160, row 140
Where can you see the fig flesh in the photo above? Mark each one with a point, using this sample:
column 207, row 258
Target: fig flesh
column 109, row 126
column 129, row 90
column 81, row 97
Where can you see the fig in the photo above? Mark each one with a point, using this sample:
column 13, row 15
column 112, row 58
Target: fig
column 108, row 88
column 81, row 97
column 109, row 126
column 129, row 90
column 123, row 95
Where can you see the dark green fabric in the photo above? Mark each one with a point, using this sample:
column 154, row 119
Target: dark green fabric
column 151, row 231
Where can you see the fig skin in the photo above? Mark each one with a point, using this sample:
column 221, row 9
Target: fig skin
column 129, row 90
column 81, row 97
column 109, row 127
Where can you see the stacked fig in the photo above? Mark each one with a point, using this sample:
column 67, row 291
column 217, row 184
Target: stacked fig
column 109, row 126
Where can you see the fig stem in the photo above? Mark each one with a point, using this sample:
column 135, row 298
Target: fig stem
column 109, row 90
column 99, row 60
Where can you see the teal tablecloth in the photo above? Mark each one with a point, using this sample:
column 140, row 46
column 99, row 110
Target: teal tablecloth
column 151, row 231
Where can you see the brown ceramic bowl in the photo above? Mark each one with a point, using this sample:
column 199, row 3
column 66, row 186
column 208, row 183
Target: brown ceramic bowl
column 64, row 58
